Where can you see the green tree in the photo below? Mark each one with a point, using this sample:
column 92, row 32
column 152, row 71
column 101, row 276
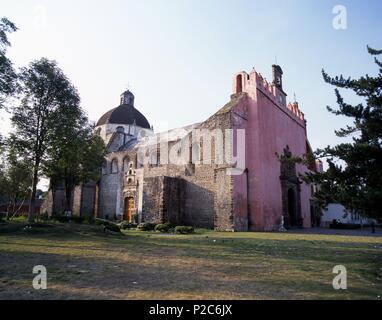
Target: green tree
column 75, row 156
column 354, row 174
column 8, row 76
column 47, row 95
column 15, row 178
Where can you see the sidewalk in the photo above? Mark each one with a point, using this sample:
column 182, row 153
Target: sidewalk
column 365, row 232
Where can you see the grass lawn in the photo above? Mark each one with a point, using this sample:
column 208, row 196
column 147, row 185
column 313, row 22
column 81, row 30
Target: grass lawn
column 85, row 263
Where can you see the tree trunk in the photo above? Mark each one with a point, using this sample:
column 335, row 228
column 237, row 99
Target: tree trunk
column 33, row 194
column 14, row 202
column 8, row 209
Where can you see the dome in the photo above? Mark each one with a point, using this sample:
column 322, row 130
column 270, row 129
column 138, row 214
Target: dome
column 125, row 113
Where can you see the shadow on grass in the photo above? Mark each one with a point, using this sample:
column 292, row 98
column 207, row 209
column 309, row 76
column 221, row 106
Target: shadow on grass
column 148, row 266
column 110, row 278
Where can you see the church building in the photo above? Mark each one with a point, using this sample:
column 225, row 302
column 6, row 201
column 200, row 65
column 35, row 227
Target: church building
column 228, row 172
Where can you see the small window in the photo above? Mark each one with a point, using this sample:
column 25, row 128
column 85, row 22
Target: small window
column 194, row 153
column 239, row 84
column 120, row 129
column 114, row 166
column 155, row 158
column 140, row 160
column 126, row 164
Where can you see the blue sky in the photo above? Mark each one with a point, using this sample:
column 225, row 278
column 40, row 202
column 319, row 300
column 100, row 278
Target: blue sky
column 179, row 56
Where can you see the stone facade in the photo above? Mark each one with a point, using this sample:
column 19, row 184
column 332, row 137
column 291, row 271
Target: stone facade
column 251, row 190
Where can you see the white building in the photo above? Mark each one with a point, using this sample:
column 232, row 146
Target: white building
column 336, row 211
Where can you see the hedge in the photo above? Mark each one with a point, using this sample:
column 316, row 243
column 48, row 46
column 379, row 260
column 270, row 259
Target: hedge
column 146, row 226
column 184, row 230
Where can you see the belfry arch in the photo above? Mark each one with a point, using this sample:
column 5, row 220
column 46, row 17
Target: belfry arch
column 239, row 83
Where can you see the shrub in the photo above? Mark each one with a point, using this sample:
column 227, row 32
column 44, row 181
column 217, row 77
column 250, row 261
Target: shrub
column 107, row 225
column 127, row 225
column 111, row 227
column 163, row 228
column 170, row 225
column 146, row 226
column 184, row 230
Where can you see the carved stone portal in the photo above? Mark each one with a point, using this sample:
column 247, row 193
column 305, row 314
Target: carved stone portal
column 290, row 186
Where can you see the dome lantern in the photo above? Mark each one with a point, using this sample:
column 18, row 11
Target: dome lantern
column 127, row 98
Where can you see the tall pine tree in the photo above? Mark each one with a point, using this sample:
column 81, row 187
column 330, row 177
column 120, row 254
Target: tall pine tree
column 356, row 180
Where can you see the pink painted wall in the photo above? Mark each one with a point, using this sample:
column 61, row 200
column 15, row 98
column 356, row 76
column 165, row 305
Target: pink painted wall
column 271, row 125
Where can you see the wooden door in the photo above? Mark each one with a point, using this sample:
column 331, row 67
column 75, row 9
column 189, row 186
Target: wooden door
column 129, row 209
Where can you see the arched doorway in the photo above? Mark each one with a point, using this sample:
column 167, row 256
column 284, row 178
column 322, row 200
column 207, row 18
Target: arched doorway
column 129, row 209
column 292, row 208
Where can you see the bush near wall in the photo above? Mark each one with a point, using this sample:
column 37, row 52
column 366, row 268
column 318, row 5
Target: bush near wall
column 184, row 230
column 146, row 226
column 102, row 222
column 163, row 228
column 107, row 225
column 127, row 225
column 112, row 227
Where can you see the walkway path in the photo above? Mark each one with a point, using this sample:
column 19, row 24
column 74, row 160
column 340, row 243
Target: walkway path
column 365, row 232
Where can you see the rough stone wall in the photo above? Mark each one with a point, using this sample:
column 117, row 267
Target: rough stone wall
column 215, row 177
column 173, row 200
column 153, row 189
column 178, row 201
column 88, row 199
column 47, row 205
column 109, row 186
column 194, row 194
column 59, row 201
column 240, row 202
column 77, row 196
column 198, row 204
column 223, row 203
column 82, row 202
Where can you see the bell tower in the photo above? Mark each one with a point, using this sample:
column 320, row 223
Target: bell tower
column 277, row 76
